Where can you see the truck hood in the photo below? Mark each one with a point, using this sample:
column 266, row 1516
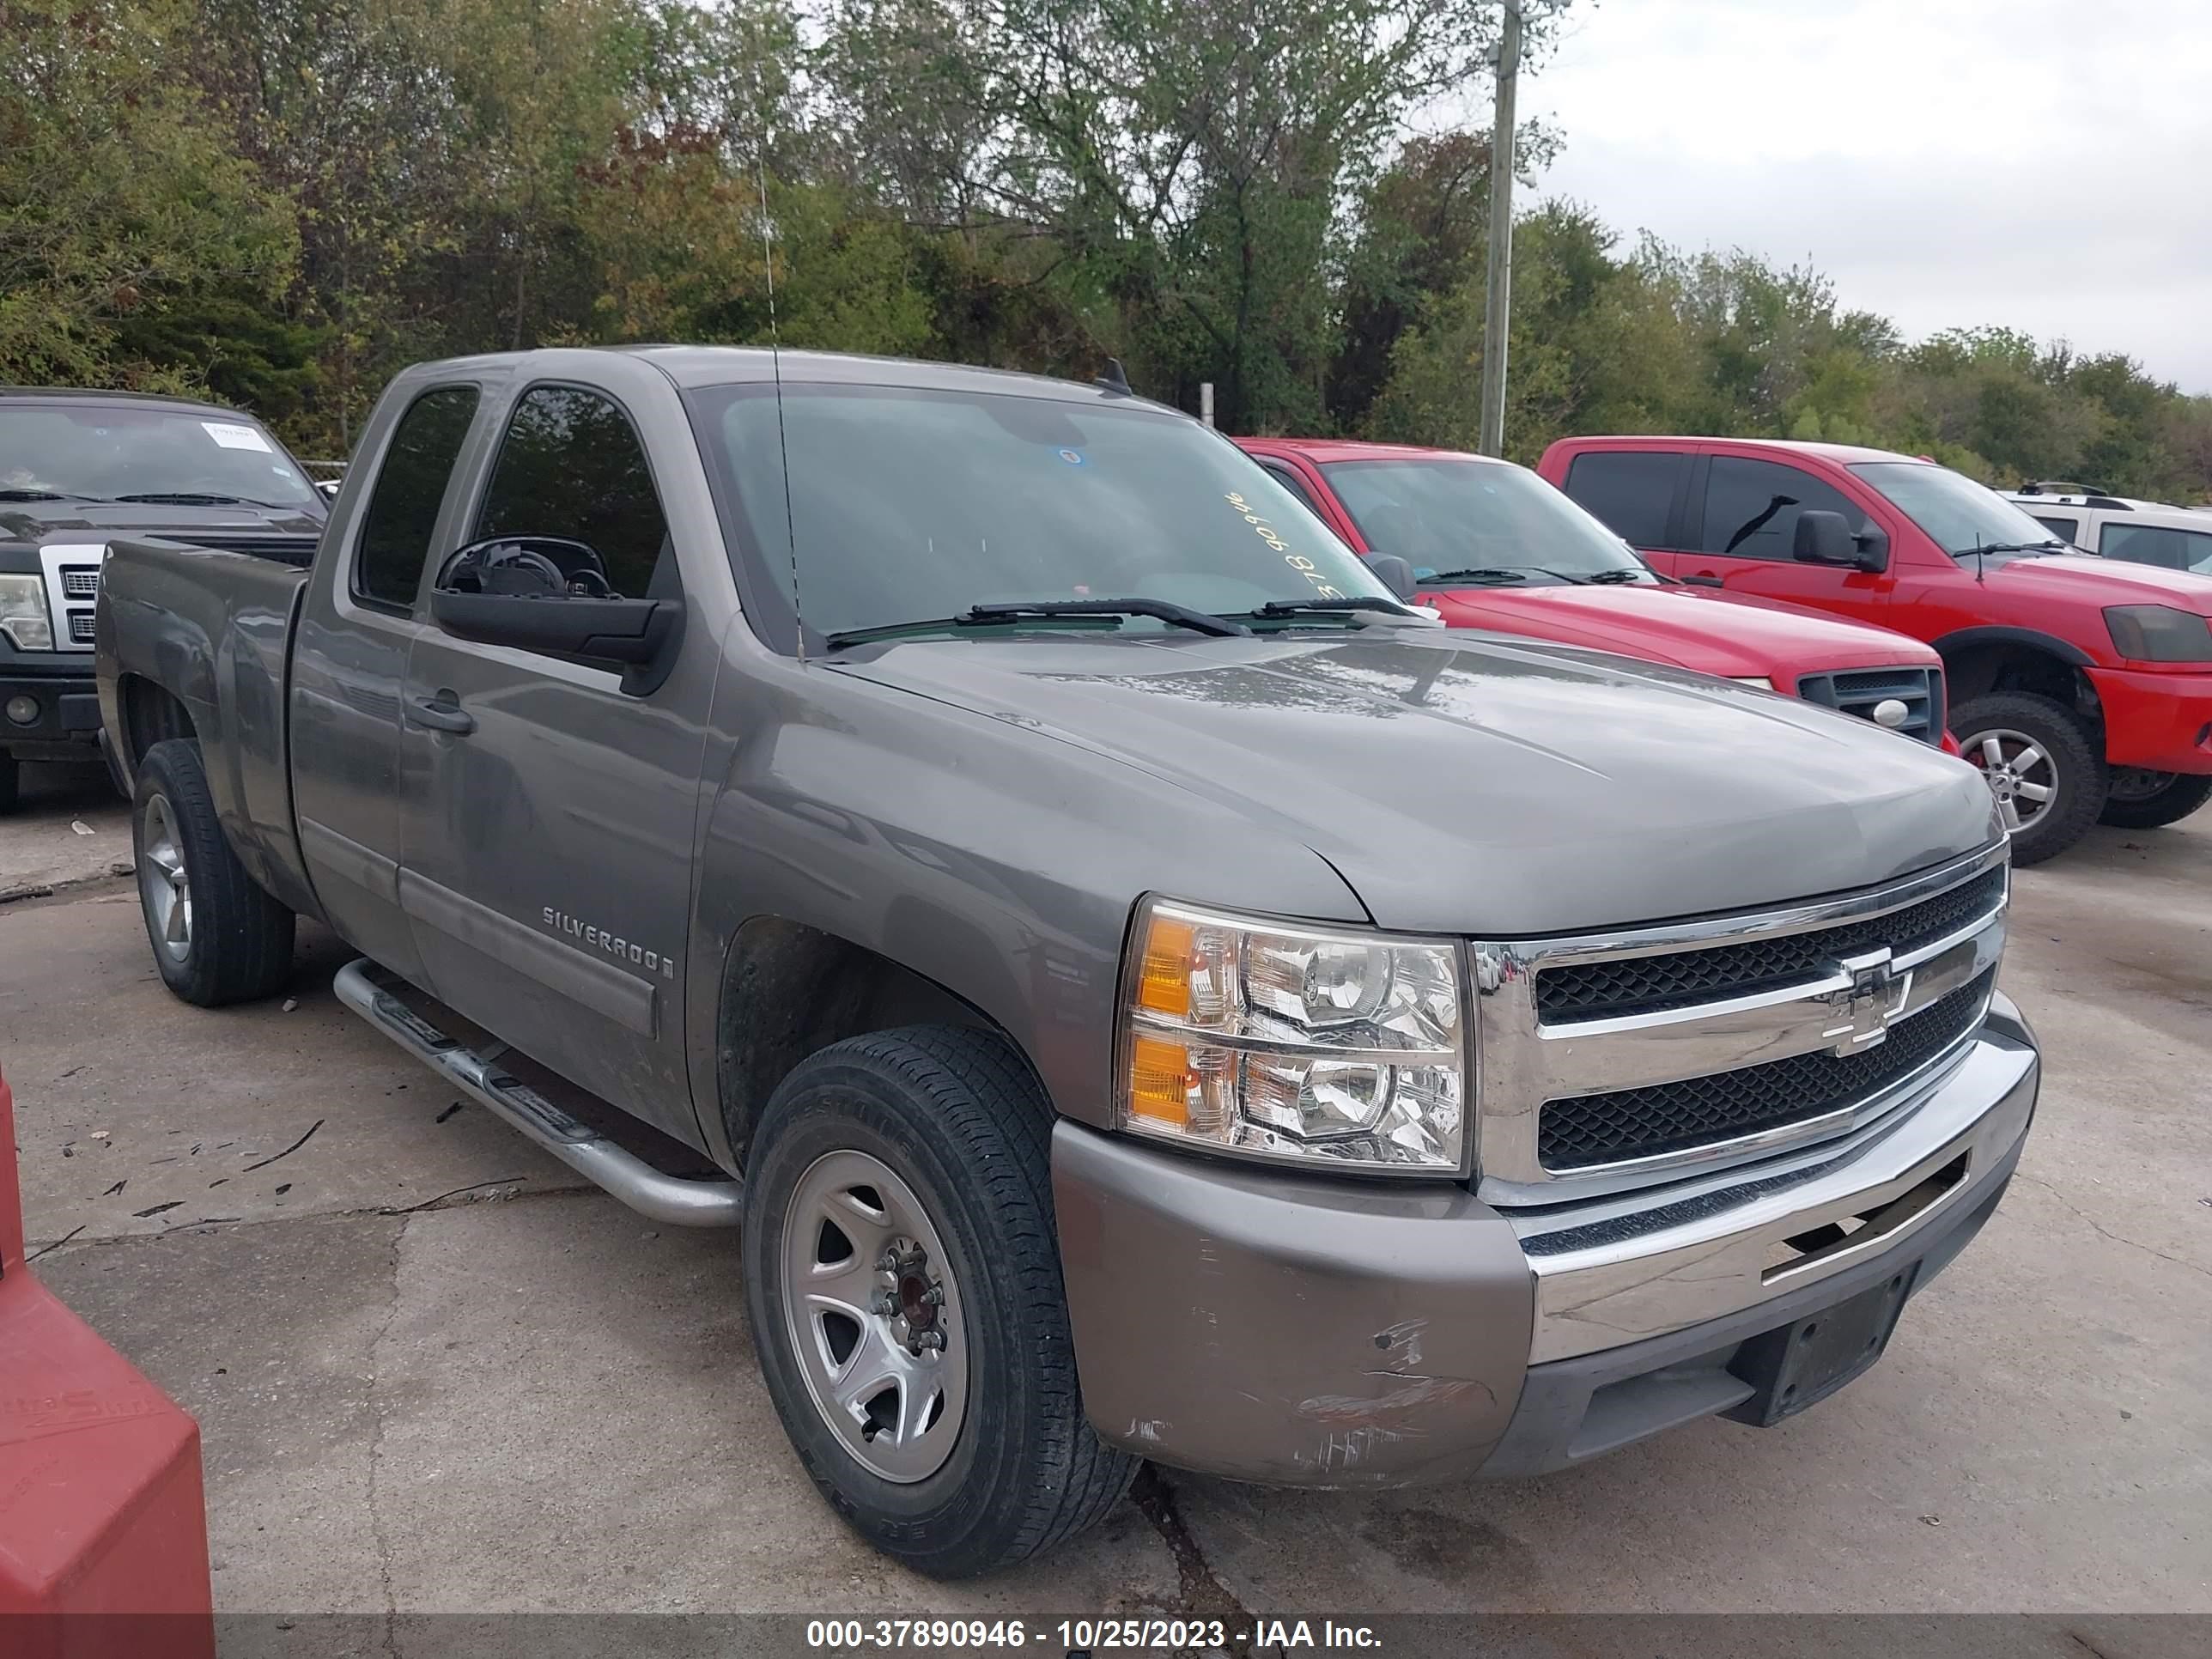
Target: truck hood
column 71, row 521
column 1481, row 786
column 1679, row 625
column 2089, row 580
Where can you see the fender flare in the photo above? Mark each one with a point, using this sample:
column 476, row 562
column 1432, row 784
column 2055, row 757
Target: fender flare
column 1966, row 639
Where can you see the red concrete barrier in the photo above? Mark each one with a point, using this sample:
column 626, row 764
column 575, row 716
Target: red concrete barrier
column 103, row 1526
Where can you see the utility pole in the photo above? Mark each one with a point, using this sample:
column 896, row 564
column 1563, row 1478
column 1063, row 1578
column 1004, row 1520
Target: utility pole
column 1496, row 312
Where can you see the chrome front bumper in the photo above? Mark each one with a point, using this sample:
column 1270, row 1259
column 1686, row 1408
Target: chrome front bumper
column 1296, row 1330
column 1607, row 1275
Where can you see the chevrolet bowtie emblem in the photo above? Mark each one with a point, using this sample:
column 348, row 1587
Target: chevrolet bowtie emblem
column 1875, row 997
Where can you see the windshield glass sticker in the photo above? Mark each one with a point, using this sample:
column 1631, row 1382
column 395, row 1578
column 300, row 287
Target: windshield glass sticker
column 1073, row 457
column 232, row 437
column 1297, row 561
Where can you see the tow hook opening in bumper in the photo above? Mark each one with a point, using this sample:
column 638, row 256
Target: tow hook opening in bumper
column 1825, row 1244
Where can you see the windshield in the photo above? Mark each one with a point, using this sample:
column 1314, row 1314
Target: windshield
column 1958, row 514
column 1446, row 515
column 913, row 505
column 105, row 451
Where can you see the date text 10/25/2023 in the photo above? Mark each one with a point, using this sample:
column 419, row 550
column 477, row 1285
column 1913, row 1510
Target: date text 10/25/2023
column 1083, row 1637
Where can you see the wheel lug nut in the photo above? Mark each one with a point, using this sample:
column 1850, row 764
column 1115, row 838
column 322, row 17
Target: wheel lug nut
column 887, row 1262
column 933, row 1297
column 932, row 1339
column 885, row 1303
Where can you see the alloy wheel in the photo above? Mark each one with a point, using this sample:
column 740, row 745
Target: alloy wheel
column 163, row 882
column 2019, row 773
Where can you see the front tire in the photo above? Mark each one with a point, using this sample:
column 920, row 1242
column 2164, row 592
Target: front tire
column 902, row 1280
column 2140, row 800
column 2044, row 766
column 217, row 936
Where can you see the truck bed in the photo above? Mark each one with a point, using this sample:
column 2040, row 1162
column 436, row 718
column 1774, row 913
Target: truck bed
column 212, row 628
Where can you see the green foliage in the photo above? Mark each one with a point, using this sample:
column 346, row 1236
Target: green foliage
column 283, row 201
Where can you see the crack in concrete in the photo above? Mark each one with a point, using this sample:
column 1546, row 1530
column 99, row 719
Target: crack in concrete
column 2104, row 1231
column 376, row 1449
column 1200, row 1591
column 429, row 1206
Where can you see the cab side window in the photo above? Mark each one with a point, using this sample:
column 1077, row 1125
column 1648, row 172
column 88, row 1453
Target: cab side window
column 570, row 467
column 2064, row 529
column 1751, row 507
column 402, row 513
column 2158, row 544
column 1630, row 491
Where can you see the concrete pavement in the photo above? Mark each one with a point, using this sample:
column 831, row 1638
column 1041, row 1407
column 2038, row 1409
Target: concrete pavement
column 435, row 1375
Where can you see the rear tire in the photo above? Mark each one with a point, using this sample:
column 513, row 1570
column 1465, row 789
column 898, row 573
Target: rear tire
column 11, row 782
column 924, row 1147
column 217, row 936
column 2129, row 807
column 2024, row 745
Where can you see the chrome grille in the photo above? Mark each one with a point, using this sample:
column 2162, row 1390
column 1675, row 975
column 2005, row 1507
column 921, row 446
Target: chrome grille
column 80, row 582
column 1605, row 990
column 1667, row 1117
column 1861, row 690
column 1613, row 1061
column 81, row 627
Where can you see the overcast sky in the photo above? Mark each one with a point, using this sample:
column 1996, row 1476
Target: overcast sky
column 2042, row 166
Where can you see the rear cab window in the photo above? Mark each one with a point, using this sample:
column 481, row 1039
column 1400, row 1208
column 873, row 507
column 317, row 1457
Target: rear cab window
column 1632, row 491
column 402, row 514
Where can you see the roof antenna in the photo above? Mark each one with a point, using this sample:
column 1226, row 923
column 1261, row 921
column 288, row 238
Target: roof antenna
column 776, row 361
column 1981, row 561
column 1115, row 379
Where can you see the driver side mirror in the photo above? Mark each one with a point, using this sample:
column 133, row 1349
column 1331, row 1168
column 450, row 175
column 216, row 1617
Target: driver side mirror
column 1395, row 573
column 549, row 595
column 1825, row 538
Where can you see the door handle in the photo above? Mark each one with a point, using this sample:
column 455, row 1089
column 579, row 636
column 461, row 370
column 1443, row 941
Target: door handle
column 442, row 713
column 1703, row 579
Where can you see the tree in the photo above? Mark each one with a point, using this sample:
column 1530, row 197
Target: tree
column 118, row 187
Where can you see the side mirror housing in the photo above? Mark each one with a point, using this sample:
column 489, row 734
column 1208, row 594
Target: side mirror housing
column 1395, row 573
column 539, row 593
column 1825, row 538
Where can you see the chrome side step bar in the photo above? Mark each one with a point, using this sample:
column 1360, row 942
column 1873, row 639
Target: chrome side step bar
column 671, row 1199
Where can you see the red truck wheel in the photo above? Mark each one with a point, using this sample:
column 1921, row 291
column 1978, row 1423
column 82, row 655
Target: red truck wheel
column 2043, row 765
column 2151, row 800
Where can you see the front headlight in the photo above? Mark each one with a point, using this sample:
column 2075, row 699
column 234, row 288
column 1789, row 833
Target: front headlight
column 1326, row 1047
column 2159, row 632
column 23, row 615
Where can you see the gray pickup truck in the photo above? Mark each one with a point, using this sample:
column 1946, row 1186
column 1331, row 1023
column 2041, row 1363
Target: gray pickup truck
column 1143, row 991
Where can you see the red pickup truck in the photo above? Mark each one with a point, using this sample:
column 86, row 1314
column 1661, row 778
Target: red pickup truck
column 1470, row 527
column 2082, row 686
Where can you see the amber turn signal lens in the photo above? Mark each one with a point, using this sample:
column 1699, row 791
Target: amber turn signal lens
column 1163, row 980
column 1160, row 1082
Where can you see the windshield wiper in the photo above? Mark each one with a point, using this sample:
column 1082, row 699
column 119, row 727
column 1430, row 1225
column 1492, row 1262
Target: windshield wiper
column 197, row 498
column 1323, row 607
column 24, row 493
column 1618, row 576
column 1483, row 576
column 985, row 616
column 2054, row 546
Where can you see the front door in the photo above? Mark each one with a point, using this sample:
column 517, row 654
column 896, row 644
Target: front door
column 1747, row 535
column 547, row 863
